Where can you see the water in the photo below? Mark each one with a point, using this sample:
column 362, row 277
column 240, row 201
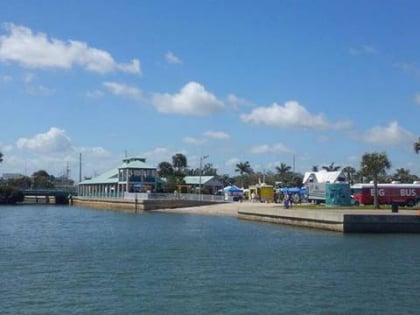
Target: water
column 69, row 260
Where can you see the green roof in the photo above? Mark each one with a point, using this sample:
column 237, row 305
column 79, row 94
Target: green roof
column 136, row 163
column 195, row 180
column 111, row 176
column 108, row 177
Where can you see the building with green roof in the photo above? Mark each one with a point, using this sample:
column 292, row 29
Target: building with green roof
column 133, row 175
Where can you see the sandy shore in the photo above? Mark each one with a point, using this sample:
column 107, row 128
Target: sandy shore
column 224, row 209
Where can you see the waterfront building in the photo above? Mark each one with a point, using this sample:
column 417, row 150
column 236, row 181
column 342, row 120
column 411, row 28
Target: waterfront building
column 209, row 184
column 133, row 175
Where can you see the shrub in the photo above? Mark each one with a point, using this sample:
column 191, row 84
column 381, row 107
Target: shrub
column 10, row 195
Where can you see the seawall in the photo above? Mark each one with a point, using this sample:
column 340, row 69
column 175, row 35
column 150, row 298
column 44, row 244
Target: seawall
column 136, row 206
column 347, row 221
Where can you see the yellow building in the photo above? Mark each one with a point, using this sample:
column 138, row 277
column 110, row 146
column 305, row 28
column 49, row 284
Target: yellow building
column 261, row 192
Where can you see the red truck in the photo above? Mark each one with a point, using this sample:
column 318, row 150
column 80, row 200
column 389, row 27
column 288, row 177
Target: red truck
column 394, row 193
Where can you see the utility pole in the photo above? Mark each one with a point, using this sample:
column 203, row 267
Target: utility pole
column 201, row 166
column 80, row 167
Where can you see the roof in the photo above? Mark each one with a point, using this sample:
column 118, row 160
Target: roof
column 323, row 176
column 108, row 177
column 195, row 180
column 136, row 163
column 111, row 176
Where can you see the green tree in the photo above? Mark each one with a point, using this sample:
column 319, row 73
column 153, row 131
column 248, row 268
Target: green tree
column 165, row 169
column 373, row 165
column 179, row 162
column 284, row 172
column 41, row 179
column 243, row 169
column 350, row 173
column 1, row 157
column 23, row 182
column 417, row 146
column 404, row 176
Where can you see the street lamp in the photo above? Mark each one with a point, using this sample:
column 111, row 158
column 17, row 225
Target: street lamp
column 201, row 166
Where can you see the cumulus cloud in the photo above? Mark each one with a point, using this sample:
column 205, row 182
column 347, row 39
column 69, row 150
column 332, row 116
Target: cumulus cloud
column 265, row 148
column 216, row 135
column 31, row 50
column 236, row 101
column 192, row 99
column 363, row 50
column 172, row 59
column 291, row 115
column 417, row 98
column 232, row 162
column 194, row 141
column 6, row 78
column 123, row 90
column 392, row 134
column 53, row 141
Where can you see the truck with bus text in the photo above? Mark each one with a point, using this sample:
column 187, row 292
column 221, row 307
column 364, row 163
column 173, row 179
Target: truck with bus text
column 393, row 193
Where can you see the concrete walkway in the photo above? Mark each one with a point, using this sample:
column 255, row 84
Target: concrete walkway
column 340, row 220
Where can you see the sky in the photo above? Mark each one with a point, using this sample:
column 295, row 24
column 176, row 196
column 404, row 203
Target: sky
column 305, row 83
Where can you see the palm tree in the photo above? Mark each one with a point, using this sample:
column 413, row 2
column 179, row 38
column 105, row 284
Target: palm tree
column 284, row 171
column 373, row 165
column 417, row 146
column 350, row 173
column 243, row 168
column 331, row 167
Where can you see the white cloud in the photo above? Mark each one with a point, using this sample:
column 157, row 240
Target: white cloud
column 232, row 162
column 6, row 78
column 291, row 115
column 95, row 94
column 216, row 135
column 274, row 148
column 409, row 68
column 417, row 98
column 194, row 141
column 236, row 101
column 192, row 99
column 53, row 141
column 172, row 59
column 32, row 50
column 363, row 50
column 393, row 134
column 39, row 90
column 5, row 148
column 28, row 77
column 160, row 154
column 123, row 90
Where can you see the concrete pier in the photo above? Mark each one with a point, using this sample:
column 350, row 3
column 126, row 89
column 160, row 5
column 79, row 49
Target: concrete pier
column 347, row 221
column 127, row 205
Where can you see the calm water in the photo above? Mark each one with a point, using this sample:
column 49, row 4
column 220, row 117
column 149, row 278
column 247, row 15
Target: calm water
column 68, row 260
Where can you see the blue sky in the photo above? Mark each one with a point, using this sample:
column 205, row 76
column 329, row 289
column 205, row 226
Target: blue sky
column 267, row 82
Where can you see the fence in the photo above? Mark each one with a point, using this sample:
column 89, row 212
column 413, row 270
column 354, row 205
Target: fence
column 155, row 196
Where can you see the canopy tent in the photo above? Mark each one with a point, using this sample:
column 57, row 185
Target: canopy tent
column 232, row 189
column 293, row 190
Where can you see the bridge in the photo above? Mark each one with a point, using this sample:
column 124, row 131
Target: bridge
column 59, row 195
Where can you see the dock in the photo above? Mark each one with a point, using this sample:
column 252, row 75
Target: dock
column 339, row 220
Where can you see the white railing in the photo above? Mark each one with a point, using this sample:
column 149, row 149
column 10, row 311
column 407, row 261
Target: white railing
column 157, row 196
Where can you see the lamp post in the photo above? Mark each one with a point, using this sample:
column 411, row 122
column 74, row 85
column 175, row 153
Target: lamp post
column 201, row 166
